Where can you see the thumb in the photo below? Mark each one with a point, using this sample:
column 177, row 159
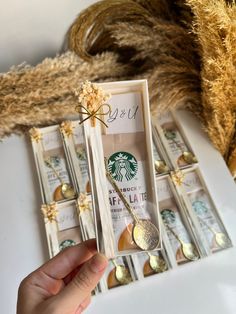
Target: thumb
column 82, row 284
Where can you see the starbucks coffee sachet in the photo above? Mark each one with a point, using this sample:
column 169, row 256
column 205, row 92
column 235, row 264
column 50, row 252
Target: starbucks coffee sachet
column 203, row 209
column 176, row 224
column 62, row 224
column 173, row 139
column 53, row 169
column 75, row 149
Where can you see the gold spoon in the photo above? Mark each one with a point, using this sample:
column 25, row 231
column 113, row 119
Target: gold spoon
column 160, row 166
column 188, row 156
column 157, row 264
column 188, row 249
column 145, row 234
column 66, row 189
column 220, row 238
column 122, row 273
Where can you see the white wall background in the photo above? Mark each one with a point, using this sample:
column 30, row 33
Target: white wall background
column 31, row 30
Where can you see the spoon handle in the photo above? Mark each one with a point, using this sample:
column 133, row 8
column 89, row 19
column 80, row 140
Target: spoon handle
column 174, row 234
column 206, row 224
column 178, row 145
column 55, row 171
column 114, row 262
column 175, row 142
column 122, row 197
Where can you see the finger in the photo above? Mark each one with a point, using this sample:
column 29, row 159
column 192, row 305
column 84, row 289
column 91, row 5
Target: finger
column 82, row 284
column 84, row 305
column 71, row 275
column 66, row 261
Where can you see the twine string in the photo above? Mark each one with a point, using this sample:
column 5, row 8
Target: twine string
column 94, row 114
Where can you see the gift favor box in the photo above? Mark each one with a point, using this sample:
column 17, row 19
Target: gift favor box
column 53, row 168
column 204, row 212
column 120, row 150
column 181, row 243
column 174, row 140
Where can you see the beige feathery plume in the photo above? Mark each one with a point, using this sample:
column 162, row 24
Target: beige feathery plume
column 169, row 59
column 145, row 35
column 121, row 39
column 215, row 27
column 42, row 95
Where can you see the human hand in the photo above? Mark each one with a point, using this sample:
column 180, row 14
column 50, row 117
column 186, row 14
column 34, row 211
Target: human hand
column 63, row 285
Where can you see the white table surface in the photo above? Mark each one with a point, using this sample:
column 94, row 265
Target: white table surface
column 30, row 31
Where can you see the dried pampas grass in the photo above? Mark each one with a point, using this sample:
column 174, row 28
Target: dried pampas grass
column 119, row 39
column 149, row 37
column 215, row 27
column 44, row 94
column 168, row 57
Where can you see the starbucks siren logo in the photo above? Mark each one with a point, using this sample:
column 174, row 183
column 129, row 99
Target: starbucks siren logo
column 66, row 243
column 122, row 166
column 200, row 207
column 168, row 216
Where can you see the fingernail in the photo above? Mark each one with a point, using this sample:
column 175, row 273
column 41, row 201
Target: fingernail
column 98, row 263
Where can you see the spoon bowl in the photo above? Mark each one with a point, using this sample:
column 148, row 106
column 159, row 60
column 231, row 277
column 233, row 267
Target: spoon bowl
column 157, row 264
column 67, row 191
column 190, row 251
column 222, row 240
column 146, row 235
column 189, row 158
column 122, row 275
column 160, row 166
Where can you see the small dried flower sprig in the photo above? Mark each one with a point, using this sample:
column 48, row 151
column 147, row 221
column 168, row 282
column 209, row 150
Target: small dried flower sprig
column 83, row 203
column 92, row 99
column 67, row 128
column 35, row 135
column 49, row 212
column 177, row 177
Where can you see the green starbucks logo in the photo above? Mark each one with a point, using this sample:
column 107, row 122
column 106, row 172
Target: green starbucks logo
column 54, row 161
column 81, row 154
column 200, row 207
column 66, row 243
column 168, row 216
column 122, row 166
column 170, row 134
